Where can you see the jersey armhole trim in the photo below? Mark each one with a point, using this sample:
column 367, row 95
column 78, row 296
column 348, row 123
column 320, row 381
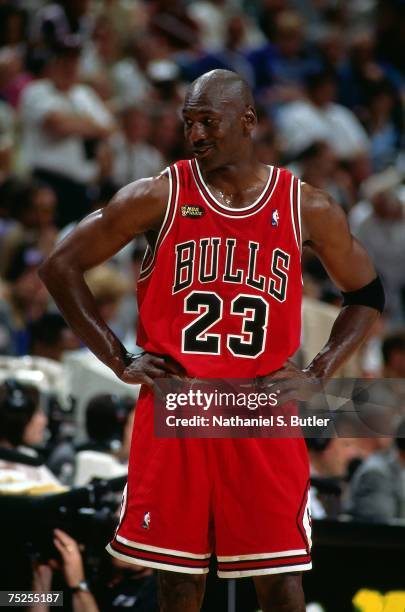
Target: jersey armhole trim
column 148, row 262
column 295, row 204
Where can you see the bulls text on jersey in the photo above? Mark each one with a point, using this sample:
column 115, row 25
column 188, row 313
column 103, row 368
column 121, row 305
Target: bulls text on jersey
column 211, row 250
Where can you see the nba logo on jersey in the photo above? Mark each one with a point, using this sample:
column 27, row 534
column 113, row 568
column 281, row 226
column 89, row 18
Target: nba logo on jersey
column 274, row 217
column 146, row 520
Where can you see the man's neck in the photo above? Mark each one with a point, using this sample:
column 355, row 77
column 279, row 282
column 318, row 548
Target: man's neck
column 237, row 177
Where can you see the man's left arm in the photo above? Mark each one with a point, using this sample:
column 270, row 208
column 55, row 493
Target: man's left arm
column 325, row 230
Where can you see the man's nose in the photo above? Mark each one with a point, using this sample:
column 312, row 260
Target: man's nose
column 197, row 133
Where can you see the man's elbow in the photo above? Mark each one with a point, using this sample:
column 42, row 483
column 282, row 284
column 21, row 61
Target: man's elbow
column 50, row 269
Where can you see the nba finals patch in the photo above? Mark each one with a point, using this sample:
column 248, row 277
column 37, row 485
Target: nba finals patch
column 191, row 211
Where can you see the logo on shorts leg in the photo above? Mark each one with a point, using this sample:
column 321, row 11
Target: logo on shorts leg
column 146, row 520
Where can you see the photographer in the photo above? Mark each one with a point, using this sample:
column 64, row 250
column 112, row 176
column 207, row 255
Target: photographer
column 71, row 565
column 126, row 586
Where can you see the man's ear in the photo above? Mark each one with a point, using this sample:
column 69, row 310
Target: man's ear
column 249, row 120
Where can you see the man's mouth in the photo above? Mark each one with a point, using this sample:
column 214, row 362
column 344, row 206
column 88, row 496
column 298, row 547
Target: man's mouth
column 201, row 152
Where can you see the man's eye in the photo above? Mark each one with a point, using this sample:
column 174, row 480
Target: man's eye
column 207, row 122
column 188, row 123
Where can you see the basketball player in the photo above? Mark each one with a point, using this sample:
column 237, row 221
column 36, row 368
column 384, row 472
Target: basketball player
column 219, row 296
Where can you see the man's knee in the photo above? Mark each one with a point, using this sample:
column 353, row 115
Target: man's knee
column 179, row 591
column 280, row 592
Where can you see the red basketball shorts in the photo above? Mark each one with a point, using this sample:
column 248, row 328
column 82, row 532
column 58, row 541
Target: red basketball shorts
column 244, row 500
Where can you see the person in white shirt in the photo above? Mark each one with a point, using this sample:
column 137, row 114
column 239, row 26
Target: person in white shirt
column 134, row 158
column 62, row 121
column 319, row 119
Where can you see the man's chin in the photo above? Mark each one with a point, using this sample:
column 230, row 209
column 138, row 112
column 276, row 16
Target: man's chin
column 208, row 162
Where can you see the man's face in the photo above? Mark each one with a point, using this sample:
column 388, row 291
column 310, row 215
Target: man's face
column 213, row 128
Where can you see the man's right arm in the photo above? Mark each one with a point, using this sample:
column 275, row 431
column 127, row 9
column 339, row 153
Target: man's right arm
column 137, row 207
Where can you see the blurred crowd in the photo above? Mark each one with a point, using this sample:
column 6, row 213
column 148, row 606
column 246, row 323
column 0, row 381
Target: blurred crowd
column 90, row 94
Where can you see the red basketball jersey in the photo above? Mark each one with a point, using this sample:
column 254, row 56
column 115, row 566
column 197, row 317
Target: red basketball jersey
column 221, row 290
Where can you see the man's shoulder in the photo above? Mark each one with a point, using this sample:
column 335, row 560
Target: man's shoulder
column 153, row 189
column 314, row 199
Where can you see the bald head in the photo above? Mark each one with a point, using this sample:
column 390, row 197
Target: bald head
column 222, row 86
column 219, row 119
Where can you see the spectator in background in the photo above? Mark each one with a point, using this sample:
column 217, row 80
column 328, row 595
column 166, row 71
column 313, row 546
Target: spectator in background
column 129, row 80
column 329, row 460
column 318, row 166
column 389, row 20
column 363, row 72
column 50, row 337
column 100, row 456
column 99, row 57
column 62, row 122
column 319, row 119
column 22, row 420
column 13, row 76
column 377, row 489
column 211, row 17
column 171, row 21
column 229, row 57
column 127, row 17
column 8, row 180
column 393, row 350
column 383, row 235
column 167, row 134
column 72, row 566
column 58, row 20
column 13, row 25
column 105, row 453
column 33, row 207
column 106, row 418
column 22, row 430
column 331, row 49
column 283, row 63
column 134, row 158
column 164, row 75
column 382, row 125
column 124, row 587
column 109, row 287
column 25, row 300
